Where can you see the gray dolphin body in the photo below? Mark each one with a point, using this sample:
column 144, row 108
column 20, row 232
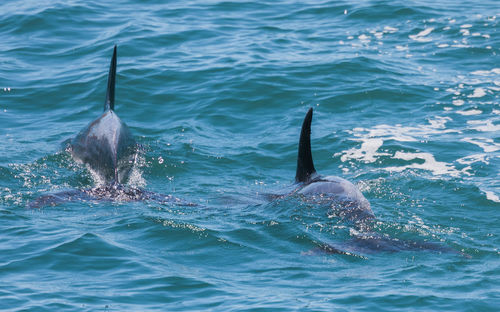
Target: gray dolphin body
column 354, row 204
column 348, row 203
column 106, row 145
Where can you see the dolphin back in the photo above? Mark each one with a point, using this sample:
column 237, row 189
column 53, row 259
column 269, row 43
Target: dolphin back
column 305, row 166
column 106, row 145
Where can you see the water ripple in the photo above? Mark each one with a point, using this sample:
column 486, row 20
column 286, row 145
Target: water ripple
column 406, row 106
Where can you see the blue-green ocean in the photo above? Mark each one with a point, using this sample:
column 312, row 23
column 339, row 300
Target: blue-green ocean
column 406, row 106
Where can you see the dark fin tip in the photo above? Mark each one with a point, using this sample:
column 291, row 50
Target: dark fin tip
column 305, row 166
column 109, row 104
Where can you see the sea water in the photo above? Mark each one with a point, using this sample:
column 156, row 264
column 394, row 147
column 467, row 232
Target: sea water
column 406, row 106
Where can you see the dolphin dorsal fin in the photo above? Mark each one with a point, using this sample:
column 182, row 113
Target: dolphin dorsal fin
column 109, row 104
column 305, row 166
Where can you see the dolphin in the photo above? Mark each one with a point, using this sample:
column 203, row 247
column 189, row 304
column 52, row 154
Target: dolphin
column 106, row 145
column 309, row 182
column 349, row 204
column 108, row 149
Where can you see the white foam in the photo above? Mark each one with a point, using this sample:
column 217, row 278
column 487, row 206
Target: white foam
column 488, row 145
column 492, row 196
column 389, row 29
column 372, row 139
column 412, row 134
column 458, row 102
column 468, row 160
column 421, row 36
column 136, row 179
column 429, row 164
column 466, row 26
column 481, row 72
column 367, row 152
column 486, row 72
column 483, row 125
column 470, row 112
column 96, row 177
column 364, row 38
column 478, row 92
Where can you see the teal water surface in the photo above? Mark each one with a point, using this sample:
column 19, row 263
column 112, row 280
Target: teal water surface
column 406, row 106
